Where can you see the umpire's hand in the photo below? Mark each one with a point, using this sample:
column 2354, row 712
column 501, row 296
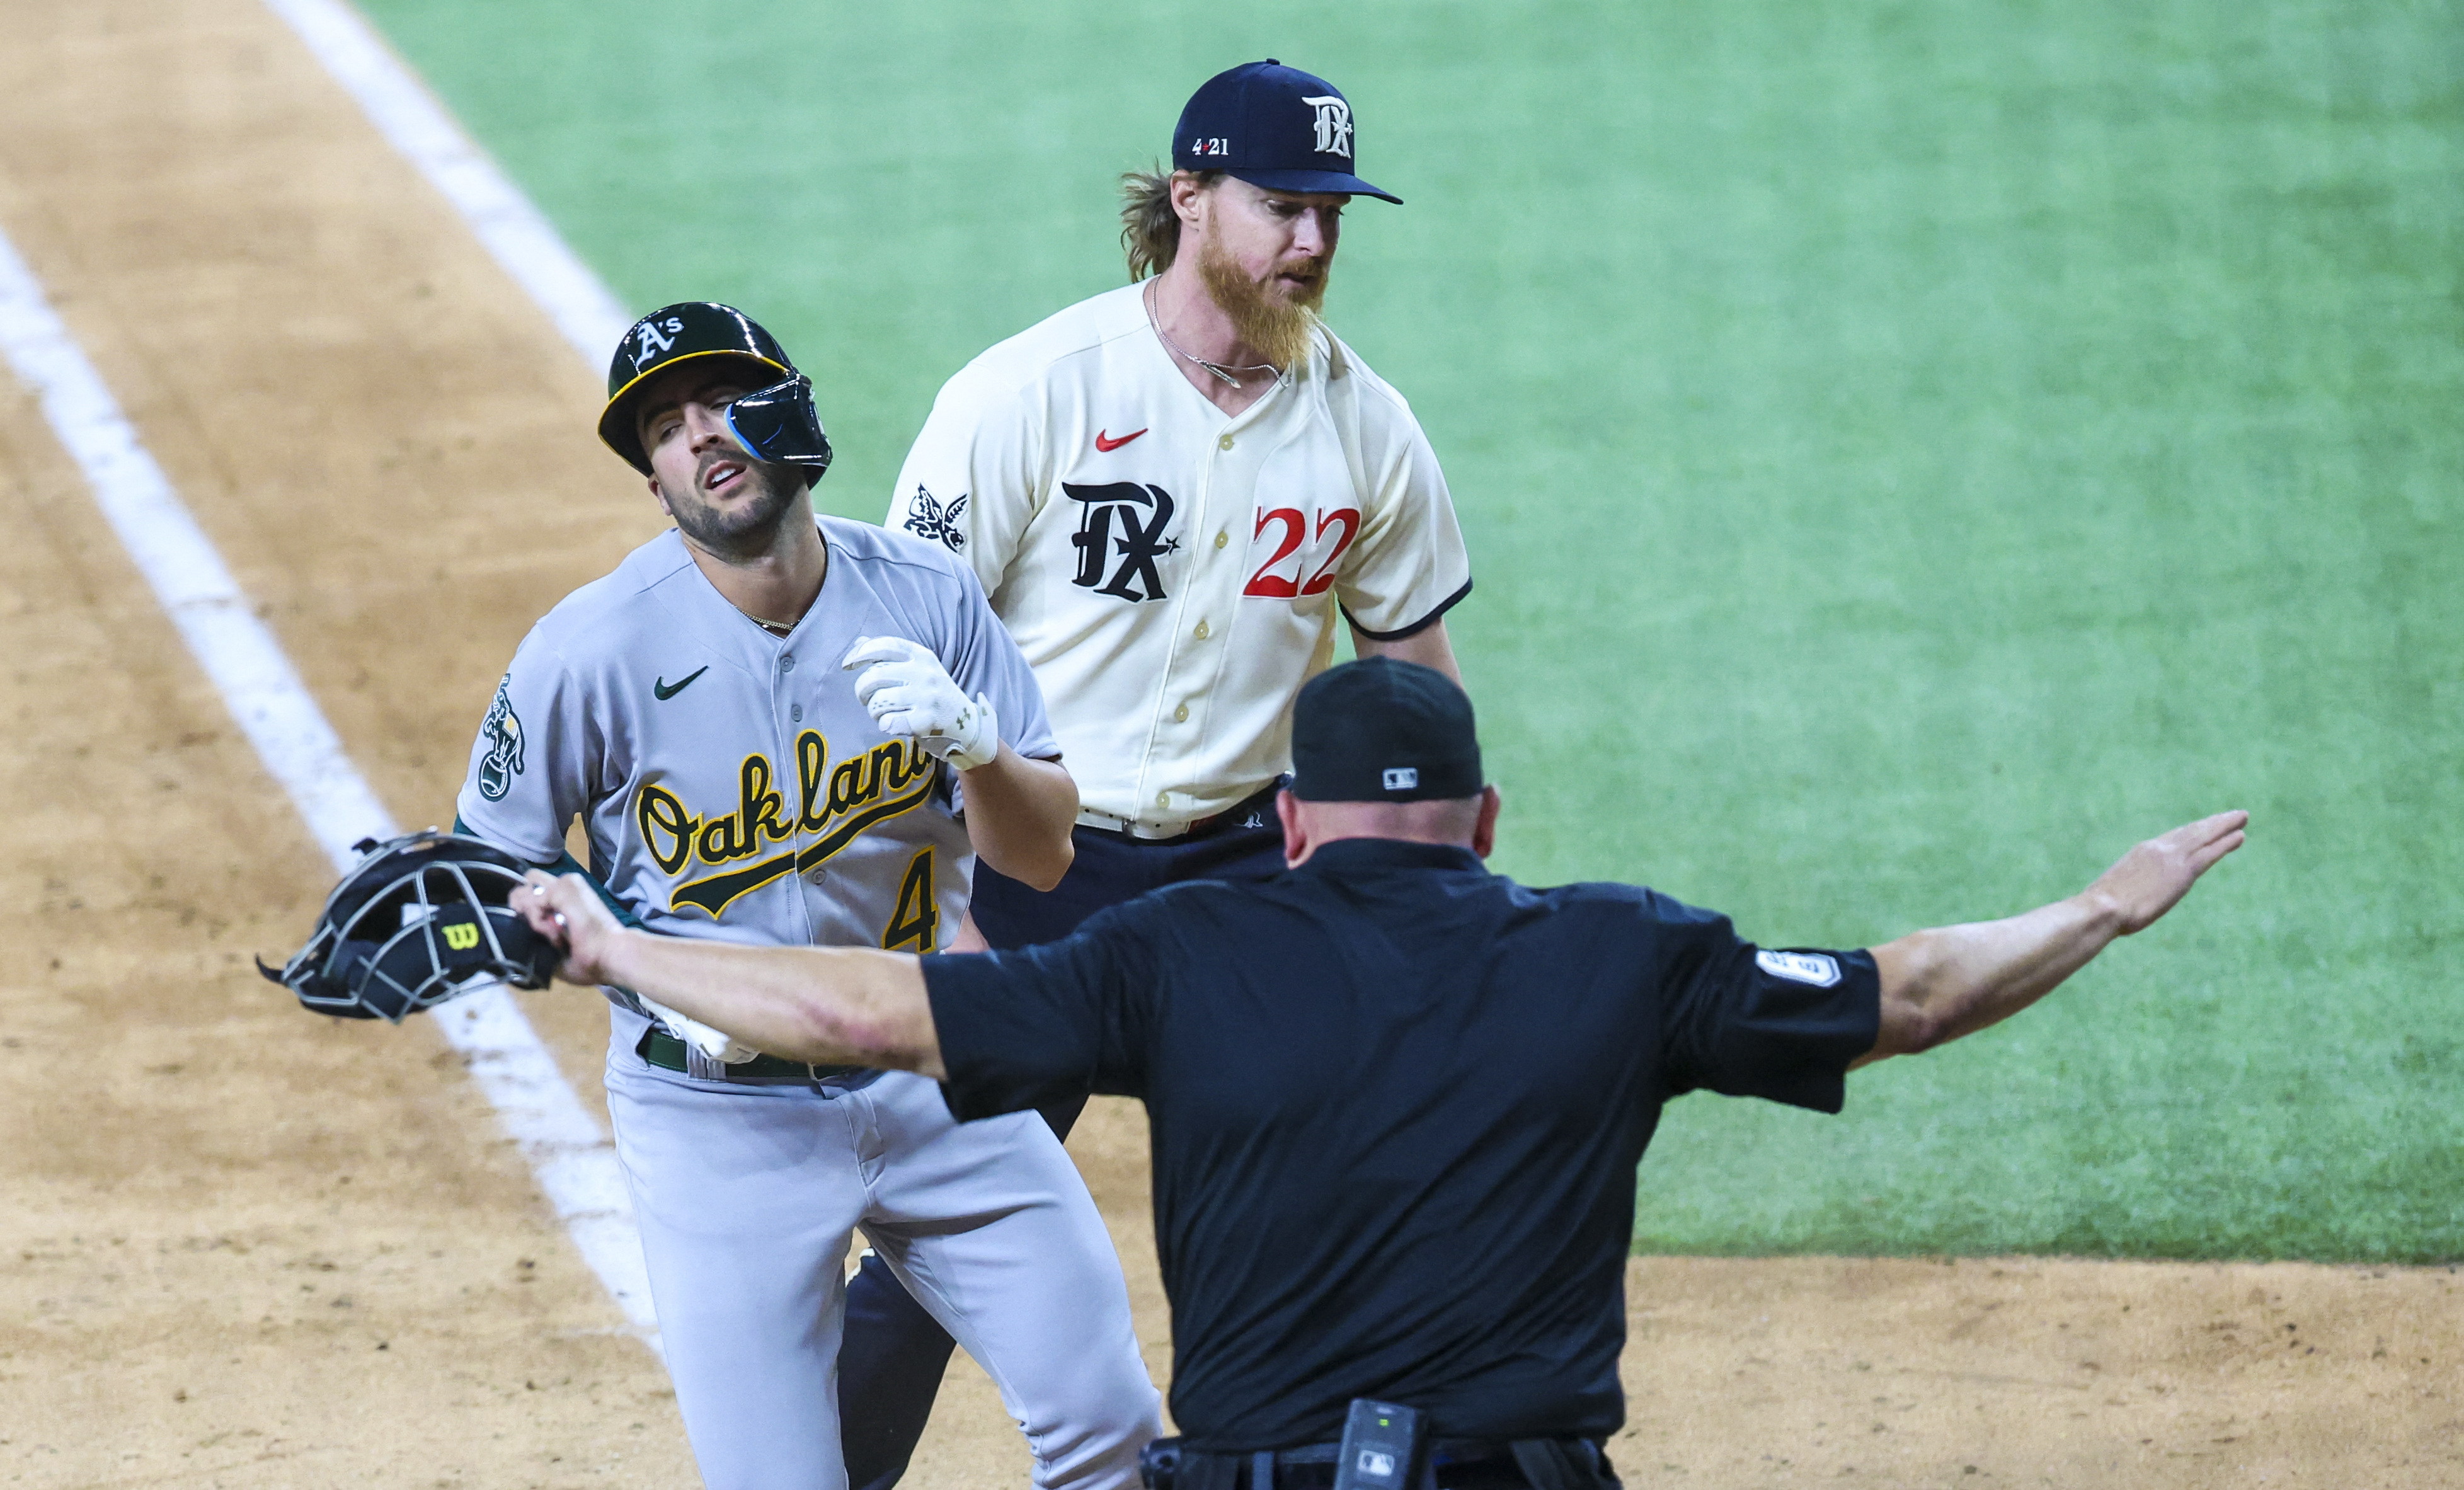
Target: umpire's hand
column 1953, row 981
column 568, row 912
column 2154, row 876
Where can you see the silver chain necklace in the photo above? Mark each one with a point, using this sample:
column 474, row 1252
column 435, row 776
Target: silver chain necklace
column 1219, row 369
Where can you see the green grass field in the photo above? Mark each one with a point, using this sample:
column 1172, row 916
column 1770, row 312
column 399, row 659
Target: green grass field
column 1908, row 454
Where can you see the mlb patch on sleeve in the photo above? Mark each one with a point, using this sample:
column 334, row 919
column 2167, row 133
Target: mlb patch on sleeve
column 1817, row 968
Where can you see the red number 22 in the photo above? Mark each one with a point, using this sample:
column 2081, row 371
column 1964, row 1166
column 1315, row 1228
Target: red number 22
column 1275, row 586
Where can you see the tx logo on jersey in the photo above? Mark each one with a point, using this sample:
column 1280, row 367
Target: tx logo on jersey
column 502, row 729
column 1139, row 513
column 839, row 803
column 650, row 339
column 1333, row 125
column 926, row 520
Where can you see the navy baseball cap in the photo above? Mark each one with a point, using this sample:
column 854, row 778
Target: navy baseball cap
column 1383, row 731
column 1273, row 126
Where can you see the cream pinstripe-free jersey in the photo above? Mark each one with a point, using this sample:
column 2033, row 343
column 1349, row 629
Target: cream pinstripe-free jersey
column 1174, row 573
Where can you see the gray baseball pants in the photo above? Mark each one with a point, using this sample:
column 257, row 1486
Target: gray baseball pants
column 746, row 1197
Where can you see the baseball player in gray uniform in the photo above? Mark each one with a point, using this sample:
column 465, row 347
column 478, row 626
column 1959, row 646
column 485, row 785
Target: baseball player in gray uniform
column 1175, row 493
column 790, row 730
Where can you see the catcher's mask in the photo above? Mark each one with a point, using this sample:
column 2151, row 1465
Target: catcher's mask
column 421, row 919
column 775, row 422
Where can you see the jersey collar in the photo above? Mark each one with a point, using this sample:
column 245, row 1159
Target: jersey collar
column 1347, row 855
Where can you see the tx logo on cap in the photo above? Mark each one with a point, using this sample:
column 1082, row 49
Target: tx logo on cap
column 1333, row 125
column 1402, row 778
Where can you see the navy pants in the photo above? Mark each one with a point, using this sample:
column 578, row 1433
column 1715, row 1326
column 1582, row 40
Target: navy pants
column 892, row 1354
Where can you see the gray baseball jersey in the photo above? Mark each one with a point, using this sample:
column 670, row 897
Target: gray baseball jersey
column 734, row 788
column 731, row 784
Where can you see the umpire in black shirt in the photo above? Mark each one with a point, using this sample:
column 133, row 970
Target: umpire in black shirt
column 1371, row 1072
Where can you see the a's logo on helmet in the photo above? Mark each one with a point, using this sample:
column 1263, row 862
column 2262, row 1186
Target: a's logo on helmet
column 651, row 340
column 1333, row 125
column 502, row 729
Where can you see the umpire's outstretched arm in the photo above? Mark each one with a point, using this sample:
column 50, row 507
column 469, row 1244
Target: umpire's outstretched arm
column 830, row 1005
column 860, row 1007
column 1955, row 980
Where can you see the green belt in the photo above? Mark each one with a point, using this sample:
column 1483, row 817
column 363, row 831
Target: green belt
column 667, row 1053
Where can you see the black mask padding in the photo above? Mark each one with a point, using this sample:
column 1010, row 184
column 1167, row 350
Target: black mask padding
column 344, row 969
column 779, row 424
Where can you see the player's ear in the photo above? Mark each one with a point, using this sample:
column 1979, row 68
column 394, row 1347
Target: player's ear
column 1484, row 828
column 1187, row 188
column 1296, row 843
column 659, row 496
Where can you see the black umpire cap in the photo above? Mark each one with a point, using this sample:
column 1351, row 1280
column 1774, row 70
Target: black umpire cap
column 1383, row 731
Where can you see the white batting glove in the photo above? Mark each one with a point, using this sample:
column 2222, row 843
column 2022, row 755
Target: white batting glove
column 718, row 1044
column 908, row 691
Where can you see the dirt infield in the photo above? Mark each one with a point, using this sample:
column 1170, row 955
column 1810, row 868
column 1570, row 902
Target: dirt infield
column 249, row 1248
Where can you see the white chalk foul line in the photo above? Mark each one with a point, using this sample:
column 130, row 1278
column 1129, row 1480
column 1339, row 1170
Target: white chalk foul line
column 576, row 1167
column 520, row 237
column 527, row 246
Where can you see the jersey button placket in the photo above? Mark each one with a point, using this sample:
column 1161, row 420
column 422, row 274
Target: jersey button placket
column 1208, row 585
column 1230, row 484
column 795, row 712
column 1183, row 596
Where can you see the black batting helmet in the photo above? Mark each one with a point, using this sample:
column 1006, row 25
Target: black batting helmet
column 774, row 422
column 419, row 920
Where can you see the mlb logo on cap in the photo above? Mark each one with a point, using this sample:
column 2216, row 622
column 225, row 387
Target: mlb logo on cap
column 1273, row 126
column 1350, row 720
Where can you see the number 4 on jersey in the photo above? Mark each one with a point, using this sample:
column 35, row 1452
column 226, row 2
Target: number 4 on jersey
column 918, row 915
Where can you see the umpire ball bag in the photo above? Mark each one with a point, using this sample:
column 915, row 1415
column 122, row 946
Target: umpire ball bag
column 421, row 919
